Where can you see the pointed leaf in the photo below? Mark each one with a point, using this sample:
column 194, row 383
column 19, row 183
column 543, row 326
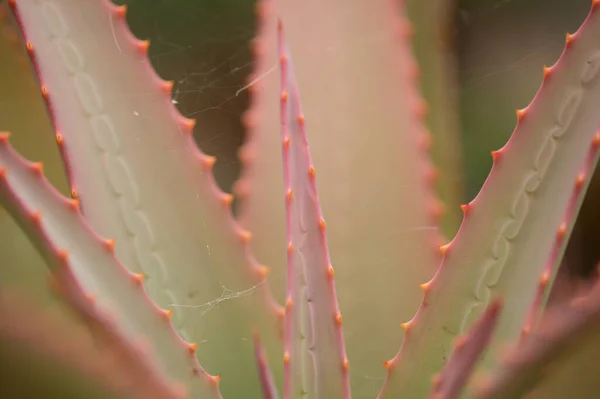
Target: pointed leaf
column 315, row 362
column 266, row 376
column 557, row 254
column 22, row 111
column 67, row 242
column 557, row 360
column 453, row 377
column 142, row 181
column 511, row 227
column 368, row 144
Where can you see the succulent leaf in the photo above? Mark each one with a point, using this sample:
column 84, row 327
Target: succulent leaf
column 22, row 111
column 457, row 370
column 141, row 180
column 365, row 125
column 315, row 362
column 267, row 380
column 134, row 357
column 557, row 254
column 65, row 239
column 137, row 176
column 522, row 202
column 556, row 360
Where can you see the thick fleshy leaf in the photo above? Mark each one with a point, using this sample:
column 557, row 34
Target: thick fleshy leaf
column 571, row 285
column 264, row 371
column 457, row 370
column 510, row 229
column 557, row 360
column 433, row 45
column 22, row 111
column 142, row 181
column 364, row 124
column 61, row 234
column 49, row 359
column 315, row 362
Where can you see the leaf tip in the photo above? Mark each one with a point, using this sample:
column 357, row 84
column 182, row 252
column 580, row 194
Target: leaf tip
column 188, row 124
column 73, row 204
column 465, row 209
column 192, row 348
column 444, row 249
column 167, row 86
column 37, row 168
column 142, row 46
column 208, row 162
column 109, row 245
column 245, row 236
column 406, row 326
column 226, row 199
column 263, row 271
column 137, row 278
column 120, row 11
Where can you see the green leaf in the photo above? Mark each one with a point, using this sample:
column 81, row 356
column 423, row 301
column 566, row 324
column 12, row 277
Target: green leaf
column 141, row 180
column 84, row 260
column 315, row 362
column 510, row 230
column 22, row 111
column 456, row 372
column 556, row 360
column 368, row 144
column 267, row 380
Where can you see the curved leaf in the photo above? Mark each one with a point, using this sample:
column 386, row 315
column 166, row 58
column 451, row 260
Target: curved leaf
column 315, row 362
column 365, row 126
column 57, row 228
column 511, row 227
column 557, row 360
column 141, row 180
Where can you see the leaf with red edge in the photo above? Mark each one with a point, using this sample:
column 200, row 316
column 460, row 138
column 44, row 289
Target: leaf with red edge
column 22, row 111
column 264, row 372
column 315, row 361
column 87, row 262
column 141, row 180
column 557, row 360
column 357, row 77
column 449, row 383
column 512, row 231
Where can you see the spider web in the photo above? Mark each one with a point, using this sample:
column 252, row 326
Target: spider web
column 203, row 46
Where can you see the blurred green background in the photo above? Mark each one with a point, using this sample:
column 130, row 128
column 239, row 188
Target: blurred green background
column 500, row 48
column 496, row 50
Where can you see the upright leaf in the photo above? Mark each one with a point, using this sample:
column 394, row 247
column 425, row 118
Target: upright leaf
column 315, row 362
column 85, row 265
column 22, row 111
column 141, row 180
column 354, row 69
column 266, row 376
column 557, row 360
column 510, row 228
column 449, row 383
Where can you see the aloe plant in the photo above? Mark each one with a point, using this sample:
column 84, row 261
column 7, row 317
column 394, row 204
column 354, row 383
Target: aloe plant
column 161, row 278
